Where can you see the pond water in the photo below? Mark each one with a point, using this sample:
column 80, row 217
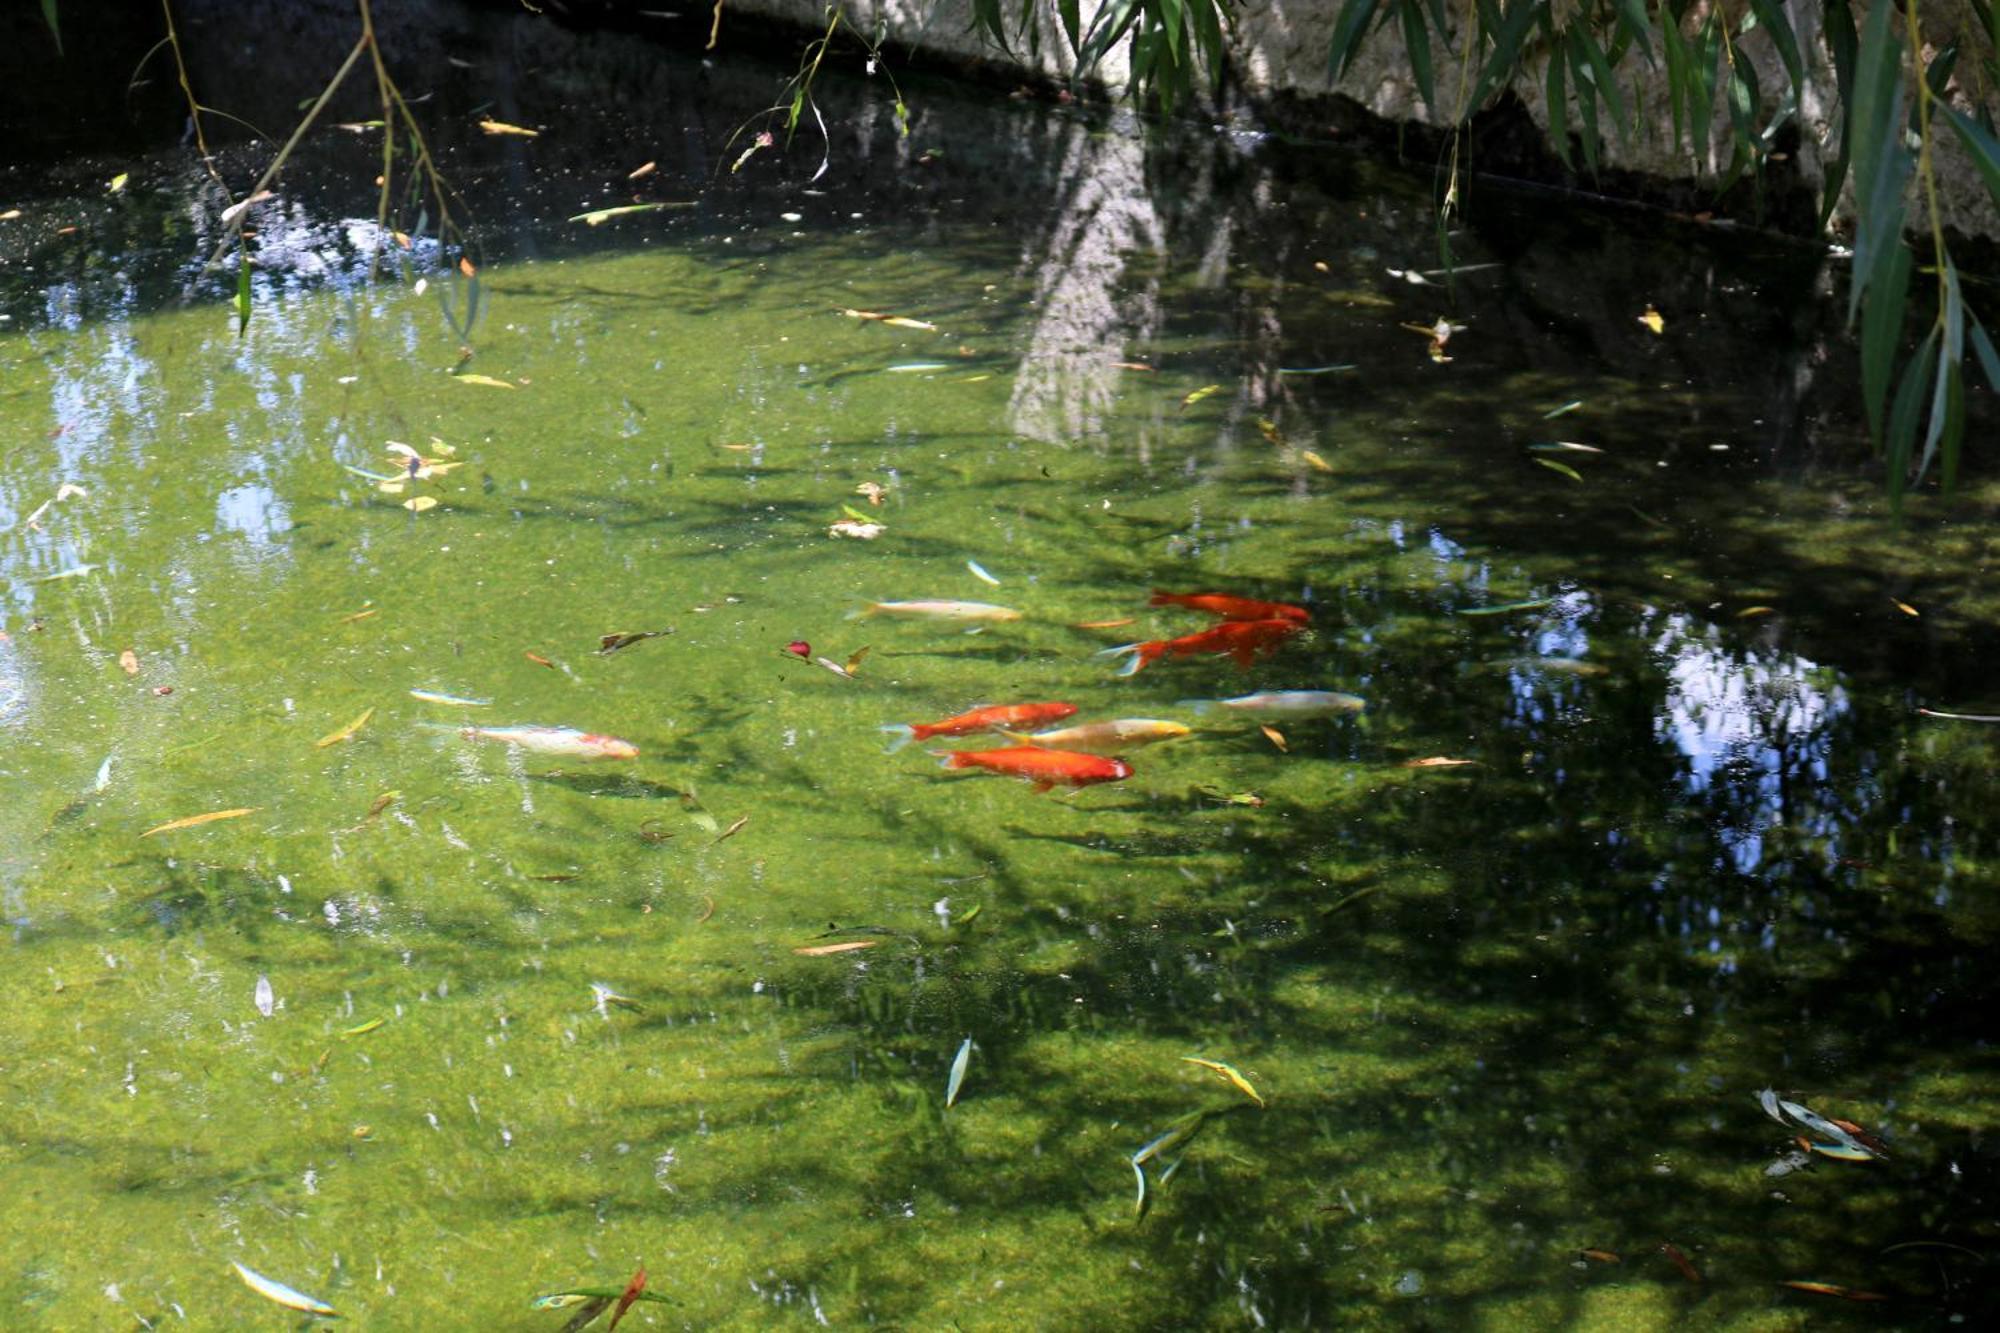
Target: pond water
column 433, row 1025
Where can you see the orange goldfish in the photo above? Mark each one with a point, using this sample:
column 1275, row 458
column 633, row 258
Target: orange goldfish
column 1044, row 768
column 1240, row 639
column 991, row 717
column 1231, row 608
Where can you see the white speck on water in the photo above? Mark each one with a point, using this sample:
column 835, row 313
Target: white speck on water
column 1410, row 1283
column 265, row 1001
column 757, row 988
column 285, row 883
column 312, row 1181
column 942, row 909
column 432, row 1117
column 332, row 910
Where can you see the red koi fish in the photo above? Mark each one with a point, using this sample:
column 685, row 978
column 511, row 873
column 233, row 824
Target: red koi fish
column 1044, row 768
column 1240, row 639
column 1231, row 608
column 991, row 717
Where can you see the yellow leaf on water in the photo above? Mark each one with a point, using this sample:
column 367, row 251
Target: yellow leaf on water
column 1438, row 761
column 345, row 733
column 130, row 661
column 1236, row 1080
column 1318, row 464
column 645, row 169
column 10, row 215
column 118, row 181
column 1906, row 608
column 1653, row 320
column 1277, row 738
column 486, row 380
column 465, row 267
column 899, row 322
column 1751, row 612
column 1205, row 391
column 417, row 504
column 821, row 950
column 192, row 820
column 502, row 127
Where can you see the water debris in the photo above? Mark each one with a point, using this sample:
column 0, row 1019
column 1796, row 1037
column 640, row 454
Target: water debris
column 1505, row 608
column 1562, row 468
column 597, row 217
column 893, row 321
column 193, row 821
column 874, row 490
column 1118, row 623
column 821, row 950
column 118, row 182
column 916, row 367
column 1904, row 607
column 73, row 572
column 732, row 830
column 1563, row 411
column 937, row 610
column 1601, row 1256
column 280, row 1294
column 1833, row 1289
column 1438, row 761
column 1563, row 447
column 129, row 661
column 1276, row 737
column 1847, row 1137
column 1132, row 365
column 1317, row 370
column 362, row 614
column 1960, row 717
column 363, row 1029
column 1440, row 333
column 502, row 127
column 539, row 660
column 629, row 1295
column 1249, row 798
column 266, row 1002
column 1751, row 612
column 862, row 531
column 1653, row 320
column 957, row 1079
column 1681, row 1261
column 1229, row 1075
column 33, row 521
column 242, row 206
column 605, row 999
column 449, row 700
column 641, row 171
column 417, row 504
column 979, row 572
column 346, row 733
column 486, row 380
column 1205, row 391
column 611, row 643
column 1314, row 461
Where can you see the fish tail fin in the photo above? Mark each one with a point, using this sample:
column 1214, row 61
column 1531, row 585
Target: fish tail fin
column 1143, row 656
column 1246, row 657
column 871, row 609
column 903, row 734
column 1197, row 706
column 1163, row 598
column 1044, row 786
column 1020, row 736
column 951, row 758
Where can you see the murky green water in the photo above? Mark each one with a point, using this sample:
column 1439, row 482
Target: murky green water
column 1500, row 1013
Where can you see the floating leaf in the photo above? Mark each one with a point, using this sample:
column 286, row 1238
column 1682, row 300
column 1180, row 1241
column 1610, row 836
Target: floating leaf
column 1229, row 1074
column 844, row 946
column 1438, row 761
column 417, row 504
column 539, row 660
column 1314, row 461
column 1276, row 737
column 1564, row 410
column 1905, row 607
column 1653, row 320
column 486, row 380
column 599, row 216
column 1750, row 612
column 363, row 1029
column 194, row 820
column 1564, row 468
column 1205, row 391
column 346, row 733
column 129, row 660
column 732, row 830
column 502, row 127
column 957, row 1079
column 611, row 643
column 854, row 659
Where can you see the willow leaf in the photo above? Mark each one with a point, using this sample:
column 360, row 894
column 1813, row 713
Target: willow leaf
column 1950, row 367
column 1507, row 39
column 1903, row 417
column 1170, row 16
column 1881, row 329
column 1603, row 79
column 1558, row 101
column 1417, row 41
column 1347, row 31
column 1071, row 22
column 1989, row 361
column 1979, row 143
column 1771, row 15
column 1632, row 20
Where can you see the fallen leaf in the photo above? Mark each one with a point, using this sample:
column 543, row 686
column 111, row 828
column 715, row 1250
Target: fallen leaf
column 1438, row 761
column 539, row 660
column 1563, row 468
column 465, row 267
column 1906, row 608
column 597, row 217
column 486, row 380
column 193, row 820
column 502, row 127
column 417, row 504
column 346, row 733
column 1749, row 612
column 118, row 182
column 844, row 946
column 1205, row 391
column 1653, row 320
column 894, row 321
column 130, row 661
column 1103, row 624
column 359, row 615
column 1315, row 461
column 731, row 831
column 611, row 643
column 847, row 527
column 1276, row 737
column 238, row 209
column 854, row 658
column 643, row 170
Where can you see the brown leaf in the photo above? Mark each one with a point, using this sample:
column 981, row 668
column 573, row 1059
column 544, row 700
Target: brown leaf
column 844, row 946
column 130, row 661
column 1438, row 761
column 1277, row 738
column 192, row 820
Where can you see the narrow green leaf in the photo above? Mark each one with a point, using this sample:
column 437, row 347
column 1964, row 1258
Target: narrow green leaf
column 1882, row 329
column 1980, row 143
column 242, row 293
column 1586, row 105
column 1207, row 20
column 1417, row 41
column 55, row 29
column 1632, row 20
column 1111, row 24
column 1557, row 95
column 1347, row 32
column 1678, row 69
column 1701, row 90
column 1989, row 361
column 1168, row 16
column 1951, row 358
column 1903, row 417
column 1507, row 39
column 1771, row 14
column 1602, row 78
column 1071, row 23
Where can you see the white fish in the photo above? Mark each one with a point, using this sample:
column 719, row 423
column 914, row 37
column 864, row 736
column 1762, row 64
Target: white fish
column 937, row 610
column 957, row 1079
column 266, row 1002
column 1113, row 737
column 280, row 1294
column 1285, row 703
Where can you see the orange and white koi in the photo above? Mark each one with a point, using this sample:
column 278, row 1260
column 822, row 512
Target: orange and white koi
column 1044, row 768
column 990, row 717
column 937, row 610
column 1226, row 607
column 559, row 742
column 1119, row 734
column 1240, row 639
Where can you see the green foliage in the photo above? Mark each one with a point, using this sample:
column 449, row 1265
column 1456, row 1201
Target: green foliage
column 55, row 28
column 1888, row 108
